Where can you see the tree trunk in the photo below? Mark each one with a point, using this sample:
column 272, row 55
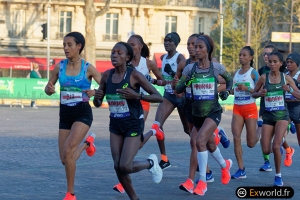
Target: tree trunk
column 90, row 36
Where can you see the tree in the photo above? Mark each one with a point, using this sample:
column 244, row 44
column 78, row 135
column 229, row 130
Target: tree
column 90, row 37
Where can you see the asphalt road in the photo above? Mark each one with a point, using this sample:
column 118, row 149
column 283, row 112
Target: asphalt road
column 30, row 167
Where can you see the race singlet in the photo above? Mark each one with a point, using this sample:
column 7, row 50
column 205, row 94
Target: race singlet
column 168, row 86
column 204, row 88
column 241, row 95
column 118, row 106
column 274, row 101
column 70, row 96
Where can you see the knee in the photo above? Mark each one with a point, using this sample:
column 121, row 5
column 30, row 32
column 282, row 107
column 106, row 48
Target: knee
column 250, row 144
column 193, row 143
column 276, row 147
column 237, row 139
column 68, row 152
column 266, row 150
column 125, row 168
column 201, row 144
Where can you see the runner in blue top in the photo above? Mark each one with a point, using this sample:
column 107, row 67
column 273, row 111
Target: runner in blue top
column 121, row 86
column 75, row 76
column 275, row 114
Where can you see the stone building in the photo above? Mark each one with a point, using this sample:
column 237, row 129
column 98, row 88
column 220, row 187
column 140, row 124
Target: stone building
column 21, row 38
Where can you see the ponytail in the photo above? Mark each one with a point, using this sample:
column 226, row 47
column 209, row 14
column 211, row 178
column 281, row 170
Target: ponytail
column 145, row 52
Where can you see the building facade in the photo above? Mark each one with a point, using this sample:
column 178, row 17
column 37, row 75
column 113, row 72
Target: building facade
column 22, row 38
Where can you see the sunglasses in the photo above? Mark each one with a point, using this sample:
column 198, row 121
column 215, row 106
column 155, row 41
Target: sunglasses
column 266, row 54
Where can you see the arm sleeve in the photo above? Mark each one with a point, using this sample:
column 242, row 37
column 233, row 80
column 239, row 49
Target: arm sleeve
column 186, row 73
column 256, row 76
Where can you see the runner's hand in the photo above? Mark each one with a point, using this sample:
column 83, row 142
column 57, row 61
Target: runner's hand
column 128, row 93
column 50, row 88
column 175, row 81
column 286, row 87
column 224, row 95
column 89, row 92
column 263, row 92
column 99, row 94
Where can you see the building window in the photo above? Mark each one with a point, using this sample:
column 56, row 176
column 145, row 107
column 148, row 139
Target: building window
column 201, row 24
column 65, row 23
column 171, row 24
column 18, row 20
column 112, row 26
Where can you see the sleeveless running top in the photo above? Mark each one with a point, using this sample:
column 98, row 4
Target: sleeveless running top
column 205, row 93
column 289, row 96
column 243, row 97
column 142, row 67
column 71, row 86
column 275, row 105
column 119, row 107
column 173, row 63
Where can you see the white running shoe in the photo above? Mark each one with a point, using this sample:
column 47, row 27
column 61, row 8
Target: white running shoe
column 155, row 170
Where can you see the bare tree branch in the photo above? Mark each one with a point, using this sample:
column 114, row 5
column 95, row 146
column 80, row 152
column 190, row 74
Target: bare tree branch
column 103, row 10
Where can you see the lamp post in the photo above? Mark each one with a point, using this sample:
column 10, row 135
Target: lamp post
column 249, row 16
column 221, row 31
column 291, row 24
column 48, row 38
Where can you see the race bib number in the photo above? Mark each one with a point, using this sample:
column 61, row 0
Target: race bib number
column 188, row 92
column 70, row 95
column 168, row 86
column 274, row 101
column 240, row 95
column 118, row 106
column 203, row 88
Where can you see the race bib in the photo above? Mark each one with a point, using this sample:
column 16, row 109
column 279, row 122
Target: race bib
column 118, row 106
column 289, row 96
column 240, row 95
column 188, row 92
column 274, row 101
column 70, row 96
column 168, row 86
column 203, row 88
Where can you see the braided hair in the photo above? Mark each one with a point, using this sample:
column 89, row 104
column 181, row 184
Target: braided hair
column 251, row 52
column 78, row 38
column 145, row 52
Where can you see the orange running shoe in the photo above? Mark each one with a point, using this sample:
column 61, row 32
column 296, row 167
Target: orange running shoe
column 288, row 158
column 119, row 188
column 69, row 196
column 187, row 186
column 91, row 150
column 226, row 172
column 217, row 137
column 201, row 188
column 159, row 133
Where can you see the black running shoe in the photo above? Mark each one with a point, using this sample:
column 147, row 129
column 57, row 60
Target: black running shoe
column 164, row 165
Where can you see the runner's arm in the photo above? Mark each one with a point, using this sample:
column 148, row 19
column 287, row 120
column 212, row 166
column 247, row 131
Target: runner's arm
column 100, row 93
column 183, row 81
column 159, row 78
column 258, row 86
column 293, row 89
column 53, row 79
column 154, row 95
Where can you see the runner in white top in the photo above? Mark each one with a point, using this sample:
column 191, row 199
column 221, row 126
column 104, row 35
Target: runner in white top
column 171, row 100
column 244, row 109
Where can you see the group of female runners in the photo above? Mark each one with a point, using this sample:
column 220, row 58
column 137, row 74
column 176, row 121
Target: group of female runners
column 193, row 86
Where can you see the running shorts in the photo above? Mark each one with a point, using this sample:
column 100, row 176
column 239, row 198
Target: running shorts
column 294, row 112
column 187, row 107
column 215, row 116
column 246, row 111
column 178, row 102
column 145, row 105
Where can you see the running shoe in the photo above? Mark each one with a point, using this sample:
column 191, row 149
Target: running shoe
column 278, row 181
column 155, row 170
column 225, row 141
column 69, row 196
column 266, row 167
column 288, row 157
column 292, row 128
column 226, row 172
column 119, row 188
column 91, row 150
column 187, row 186
column 164, row 165
column 209, row 177
column 159, row 133
column 240, row 173
column 217, row 137
column 201, row 188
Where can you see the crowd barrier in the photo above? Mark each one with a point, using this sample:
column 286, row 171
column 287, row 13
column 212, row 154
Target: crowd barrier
column 19, row 90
